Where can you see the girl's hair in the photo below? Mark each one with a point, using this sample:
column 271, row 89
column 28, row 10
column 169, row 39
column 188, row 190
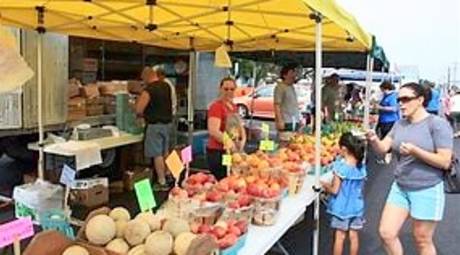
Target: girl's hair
column 387, row 85
column 226, row 79
column 354, row 145
column 419, row 91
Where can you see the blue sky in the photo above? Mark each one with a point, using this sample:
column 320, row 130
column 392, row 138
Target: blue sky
column 414, row 32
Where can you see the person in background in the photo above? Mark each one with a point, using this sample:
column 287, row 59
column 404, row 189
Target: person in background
column 221, row 111
column 455, row 109
column 422, row 144
column 287, row 114
column 162, row 76
column 434, row 104
column 330, row 97
column 155, row 106
column 346, row 204
column 447, row 107
column 388, row 113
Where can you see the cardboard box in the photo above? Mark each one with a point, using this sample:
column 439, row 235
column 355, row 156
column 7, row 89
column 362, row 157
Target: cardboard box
column 112, row 88
column 90, row 192
column 110, row 105
column 52, row 242
column 136, row 174
column 76, row 109
column 90, row 91
column 74, row 88
column 90, row 64
column 135, row 87
column 94, row 110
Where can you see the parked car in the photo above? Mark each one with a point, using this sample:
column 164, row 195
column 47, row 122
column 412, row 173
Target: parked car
column 260, row 102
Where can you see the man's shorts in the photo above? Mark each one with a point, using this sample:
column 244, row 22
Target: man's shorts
column 425, row 204
column 156, row 140
column 355, row 223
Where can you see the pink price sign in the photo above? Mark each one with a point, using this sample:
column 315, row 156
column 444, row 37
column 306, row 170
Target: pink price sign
column 18, row 229
column 187, row 154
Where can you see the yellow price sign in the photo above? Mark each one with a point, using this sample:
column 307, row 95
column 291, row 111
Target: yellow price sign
column 227, row 160
column 267, row 145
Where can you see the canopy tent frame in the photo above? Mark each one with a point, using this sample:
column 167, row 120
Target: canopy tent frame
column 99, row 32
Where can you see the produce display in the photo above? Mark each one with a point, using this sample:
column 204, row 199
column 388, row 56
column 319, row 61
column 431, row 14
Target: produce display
column 145, row 234
column 203, row 214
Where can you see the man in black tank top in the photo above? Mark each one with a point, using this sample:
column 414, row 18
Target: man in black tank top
column 154, row 104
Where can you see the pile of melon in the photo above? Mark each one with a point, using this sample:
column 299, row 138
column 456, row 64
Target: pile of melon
column 146, row 234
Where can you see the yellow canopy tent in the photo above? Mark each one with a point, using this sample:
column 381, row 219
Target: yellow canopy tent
column 198, row 25
column 243, row 24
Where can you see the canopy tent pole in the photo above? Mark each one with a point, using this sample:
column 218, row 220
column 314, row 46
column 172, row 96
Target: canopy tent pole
column 318, row 80
column 193, row 56
column 369, row 69
column 40, row 107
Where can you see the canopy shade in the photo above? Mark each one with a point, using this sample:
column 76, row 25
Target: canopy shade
column 339, row 59
column 242, row 24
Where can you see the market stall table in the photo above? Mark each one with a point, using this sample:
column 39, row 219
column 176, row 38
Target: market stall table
column 261, row 238
column 104, row 143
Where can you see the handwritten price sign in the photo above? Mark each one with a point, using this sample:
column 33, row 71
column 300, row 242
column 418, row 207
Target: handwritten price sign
column 15, row 230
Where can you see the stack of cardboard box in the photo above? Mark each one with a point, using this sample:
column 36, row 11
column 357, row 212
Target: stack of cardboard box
column 94, row 103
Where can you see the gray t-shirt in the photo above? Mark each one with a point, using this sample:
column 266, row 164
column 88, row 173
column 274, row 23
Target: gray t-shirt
column 286, row 97
column 429, row 134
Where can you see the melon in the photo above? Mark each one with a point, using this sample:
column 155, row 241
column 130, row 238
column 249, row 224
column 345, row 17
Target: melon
column 153, row 221
column 138, row 250
column 118, row 245
column 120, row 213
column 182, row 243
column 159, row 243
column 100, row 229
column 136, row 231
column 176, row 226
column 121, row 225
column 75, row 250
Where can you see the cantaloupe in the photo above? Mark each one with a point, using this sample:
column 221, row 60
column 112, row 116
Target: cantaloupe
column 159, row 243
column 182, row 243
column 153, row 221
column 121, row 225
column 100, row 229
column 176, row 226
column 120, row 213
column 118, row 245
column 136, row 231
column 138, row 250
column 75, row 250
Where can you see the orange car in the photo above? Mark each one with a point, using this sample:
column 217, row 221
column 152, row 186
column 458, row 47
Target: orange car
column 260, row 102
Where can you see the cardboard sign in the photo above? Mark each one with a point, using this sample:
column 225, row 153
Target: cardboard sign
column 174, row 164
column 265, row 128
column 267, row 145
column 67, row 175
column 186, row 154
column 227, row 160
column 18, row 229
column 144, row 195
column 226, row 139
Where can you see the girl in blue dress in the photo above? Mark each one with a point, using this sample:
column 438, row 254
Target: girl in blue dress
column 346, row 203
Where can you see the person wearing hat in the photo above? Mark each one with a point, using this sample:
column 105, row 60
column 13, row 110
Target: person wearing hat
column 155, row 106
column 330, row 96
column 287, row 114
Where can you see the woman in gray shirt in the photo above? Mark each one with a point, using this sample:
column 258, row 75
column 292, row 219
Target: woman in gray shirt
column 422, row 146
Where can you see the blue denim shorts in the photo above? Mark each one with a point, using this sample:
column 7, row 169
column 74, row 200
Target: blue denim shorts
column 355, row 223
column 424, row 204
column 156, row 140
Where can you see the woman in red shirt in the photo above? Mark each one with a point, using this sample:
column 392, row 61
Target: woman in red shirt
column 219, row 112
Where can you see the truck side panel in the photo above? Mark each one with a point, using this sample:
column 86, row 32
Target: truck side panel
column 55, row 59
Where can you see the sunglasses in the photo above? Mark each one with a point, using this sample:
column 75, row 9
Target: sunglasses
column 406, row 99
column 229, row 89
